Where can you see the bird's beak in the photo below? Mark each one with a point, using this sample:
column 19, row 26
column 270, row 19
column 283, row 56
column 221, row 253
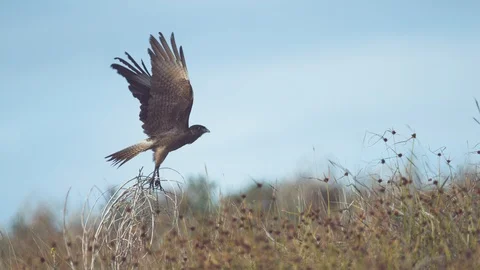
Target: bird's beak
column 208, row 131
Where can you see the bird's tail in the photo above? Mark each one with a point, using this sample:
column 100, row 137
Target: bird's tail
column 119, row 158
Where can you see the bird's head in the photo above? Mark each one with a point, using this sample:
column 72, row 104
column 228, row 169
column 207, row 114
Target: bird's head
column 198, row 130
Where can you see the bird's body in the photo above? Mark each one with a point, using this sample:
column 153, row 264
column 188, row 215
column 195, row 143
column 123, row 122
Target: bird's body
column 166, row 99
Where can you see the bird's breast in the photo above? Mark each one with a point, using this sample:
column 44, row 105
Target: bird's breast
column 173, row 142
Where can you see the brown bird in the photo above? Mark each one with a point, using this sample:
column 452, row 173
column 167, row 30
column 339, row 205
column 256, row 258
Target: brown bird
column 166, row 99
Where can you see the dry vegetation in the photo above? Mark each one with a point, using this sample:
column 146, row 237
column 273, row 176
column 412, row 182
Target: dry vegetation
column 399, row 215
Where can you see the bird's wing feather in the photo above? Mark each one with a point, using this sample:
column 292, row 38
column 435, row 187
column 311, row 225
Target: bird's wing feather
column 166, row 96
column 139, row 80
column 171, row 94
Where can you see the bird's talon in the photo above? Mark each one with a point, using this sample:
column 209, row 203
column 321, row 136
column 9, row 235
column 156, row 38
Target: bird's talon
column 158, row 184
column 151, row 184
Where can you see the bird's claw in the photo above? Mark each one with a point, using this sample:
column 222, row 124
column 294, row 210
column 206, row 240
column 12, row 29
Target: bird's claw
column 155, row 183
column 158, row 184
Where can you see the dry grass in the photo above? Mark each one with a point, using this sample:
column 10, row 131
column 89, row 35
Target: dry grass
column 393, row 217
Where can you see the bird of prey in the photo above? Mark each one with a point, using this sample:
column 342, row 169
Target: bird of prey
column 166, row 99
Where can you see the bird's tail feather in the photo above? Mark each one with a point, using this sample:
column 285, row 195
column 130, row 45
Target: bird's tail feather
column 119, row 158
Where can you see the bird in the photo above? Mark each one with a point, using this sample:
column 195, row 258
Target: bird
column 166, row 99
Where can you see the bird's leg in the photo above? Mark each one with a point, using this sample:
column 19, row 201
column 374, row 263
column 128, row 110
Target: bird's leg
column 158, row 182
column 155, row 181
column 159, row 155
column 152, row 180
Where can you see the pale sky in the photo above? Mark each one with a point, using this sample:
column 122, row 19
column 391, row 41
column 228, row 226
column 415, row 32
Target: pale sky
column 272, row 80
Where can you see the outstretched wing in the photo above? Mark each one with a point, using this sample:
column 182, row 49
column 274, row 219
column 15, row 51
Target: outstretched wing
column 171, row 94
column 139, row 81
column 166, row 96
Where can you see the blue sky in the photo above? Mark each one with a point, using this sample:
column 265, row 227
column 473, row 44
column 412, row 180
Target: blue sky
column 272, row 80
